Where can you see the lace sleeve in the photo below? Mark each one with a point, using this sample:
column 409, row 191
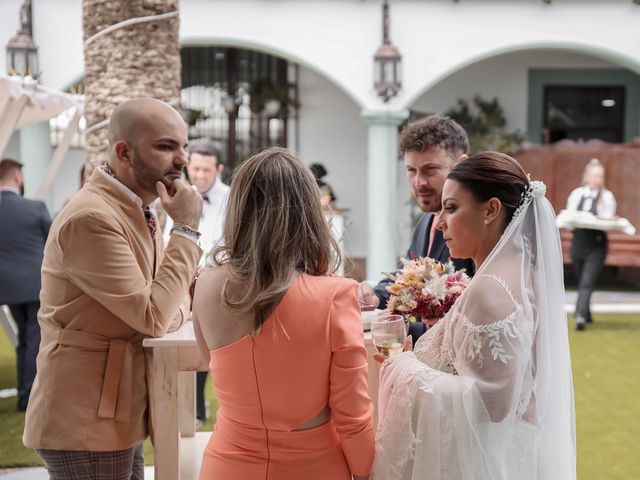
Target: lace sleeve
column 493, row 346
column 398, row 440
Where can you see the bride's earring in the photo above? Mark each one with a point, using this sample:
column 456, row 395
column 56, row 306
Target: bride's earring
column 486, row 221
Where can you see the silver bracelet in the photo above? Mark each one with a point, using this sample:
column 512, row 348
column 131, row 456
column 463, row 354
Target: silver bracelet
column 186, row 229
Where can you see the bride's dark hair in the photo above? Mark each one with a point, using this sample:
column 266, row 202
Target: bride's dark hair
column 493, row 174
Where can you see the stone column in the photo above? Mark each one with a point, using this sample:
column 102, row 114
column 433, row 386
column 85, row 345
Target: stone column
column 35, row 153
column 382, row 158
column 139, row 60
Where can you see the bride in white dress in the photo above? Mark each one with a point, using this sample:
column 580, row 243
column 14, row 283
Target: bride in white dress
column 487, row 393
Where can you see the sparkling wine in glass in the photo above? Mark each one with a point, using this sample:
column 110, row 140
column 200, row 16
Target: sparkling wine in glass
column 388, row 333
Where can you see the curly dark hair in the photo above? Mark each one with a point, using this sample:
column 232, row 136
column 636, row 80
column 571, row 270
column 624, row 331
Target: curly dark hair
column 434, row 131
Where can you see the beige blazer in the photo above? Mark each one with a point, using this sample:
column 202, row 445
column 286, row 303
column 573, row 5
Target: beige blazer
column 105, row 286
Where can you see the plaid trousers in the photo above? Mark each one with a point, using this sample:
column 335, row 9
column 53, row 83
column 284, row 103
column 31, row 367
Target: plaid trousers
column 84, row 465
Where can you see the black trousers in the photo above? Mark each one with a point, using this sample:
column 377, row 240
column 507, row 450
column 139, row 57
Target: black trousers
column 588, row 253
column 26, row 317
column 201, row 379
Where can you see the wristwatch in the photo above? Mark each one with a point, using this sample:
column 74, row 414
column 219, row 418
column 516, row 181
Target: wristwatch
column 179, row 227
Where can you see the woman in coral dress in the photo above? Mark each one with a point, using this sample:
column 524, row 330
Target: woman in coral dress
column 283, row 338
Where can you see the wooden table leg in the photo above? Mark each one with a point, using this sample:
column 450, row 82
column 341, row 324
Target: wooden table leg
column 187, row 403
column 165, row 401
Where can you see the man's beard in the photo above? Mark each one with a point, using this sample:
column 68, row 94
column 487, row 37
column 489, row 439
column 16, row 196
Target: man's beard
column 433, row 203
column 146, row 176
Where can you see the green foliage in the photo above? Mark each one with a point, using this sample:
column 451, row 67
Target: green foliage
column 485, row 124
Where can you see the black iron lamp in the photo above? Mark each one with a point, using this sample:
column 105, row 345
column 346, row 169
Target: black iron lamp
column 22, row 53
column 387, row 62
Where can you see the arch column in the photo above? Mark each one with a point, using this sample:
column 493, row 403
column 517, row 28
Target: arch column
column 35, row 153
column 382, row 157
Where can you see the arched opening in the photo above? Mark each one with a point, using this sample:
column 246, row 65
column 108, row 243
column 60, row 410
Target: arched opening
column 231, row 84
column 242, row 99
column 567, row 106
column 547, row 94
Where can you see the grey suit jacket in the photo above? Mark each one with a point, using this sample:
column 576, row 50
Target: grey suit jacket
column 418, row 248
column 24, row 226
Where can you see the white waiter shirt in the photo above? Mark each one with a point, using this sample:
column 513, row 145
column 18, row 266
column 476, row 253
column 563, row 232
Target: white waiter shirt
column 212, row 219
column 606, row 207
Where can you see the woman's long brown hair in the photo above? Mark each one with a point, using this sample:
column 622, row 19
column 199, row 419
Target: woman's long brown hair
column 273, row 230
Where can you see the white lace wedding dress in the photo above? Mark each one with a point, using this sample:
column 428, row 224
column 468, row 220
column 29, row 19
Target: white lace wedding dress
column 487, row 393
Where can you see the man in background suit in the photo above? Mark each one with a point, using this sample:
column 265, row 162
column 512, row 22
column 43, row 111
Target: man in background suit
column 430, row 146
column 24, row 226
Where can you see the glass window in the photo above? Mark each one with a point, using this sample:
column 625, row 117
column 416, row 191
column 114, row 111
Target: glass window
column 243, row 100
column 584, row 113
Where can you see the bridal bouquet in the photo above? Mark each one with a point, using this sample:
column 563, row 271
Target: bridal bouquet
column 425, row 288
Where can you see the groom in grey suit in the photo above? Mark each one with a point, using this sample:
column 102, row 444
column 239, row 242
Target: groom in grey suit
column 24, row 226
column 430, row 146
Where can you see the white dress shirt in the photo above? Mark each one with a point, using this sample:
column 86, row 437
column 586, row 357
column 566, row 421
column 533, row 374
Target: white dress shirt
column 606, row 207
column 211, row 220
column 10, row 189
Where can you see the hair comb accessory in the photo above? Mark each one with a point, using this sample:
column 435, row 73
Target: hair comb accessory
column 535, row 189
column 538, row 189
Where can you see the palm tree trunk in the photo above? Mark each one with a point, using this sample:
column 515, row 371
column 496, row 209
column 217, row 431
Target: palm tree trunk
column 140, row 60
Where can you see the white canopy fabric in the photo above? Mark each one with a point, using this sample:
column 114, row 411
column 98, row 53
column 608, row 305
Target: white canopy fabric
column 23, row 101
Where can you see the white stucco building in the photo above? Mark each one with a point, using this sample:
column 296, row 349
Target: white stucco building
column 515, row 50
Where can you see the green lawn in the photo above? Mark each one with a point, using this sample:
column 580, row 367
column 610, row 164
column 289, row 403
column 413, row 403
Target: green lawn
column 606, row 375
column 12, row 452
column 606, row 371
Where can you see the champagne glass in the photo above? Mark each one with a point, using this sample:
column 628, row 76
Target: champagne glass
column 388, row 333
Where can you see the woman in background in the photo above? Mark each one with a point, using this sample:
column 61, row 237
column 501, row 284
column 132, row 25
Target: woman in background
column 327, row 197
column 589, row 247
column 284, row 339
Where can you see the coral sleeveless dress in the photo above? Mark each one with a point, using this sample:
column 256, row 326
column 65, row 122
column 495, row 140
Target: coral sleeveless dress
column 309, row 353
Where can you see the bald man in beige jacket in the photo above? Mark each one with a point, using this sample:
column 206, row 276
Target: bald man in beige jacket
column 106, row 284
